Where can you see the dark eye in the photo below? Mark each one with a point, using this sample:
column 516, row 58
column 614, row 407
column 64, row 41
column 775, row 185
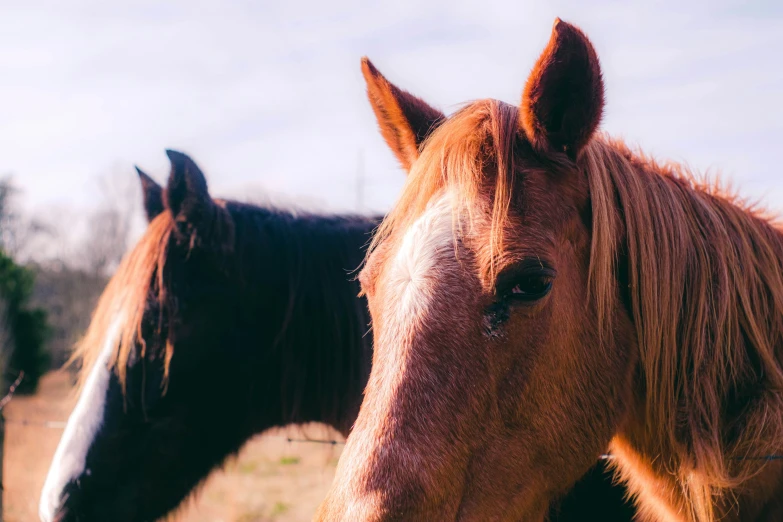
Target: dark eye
column 525, row 283
column 531, row 288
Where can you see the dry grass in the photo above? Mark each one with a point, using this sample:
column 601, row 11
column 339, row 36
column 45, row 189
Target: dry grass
column 271, row 480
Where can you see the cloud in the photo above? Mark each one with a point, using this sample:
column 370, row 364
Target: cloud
column 271, row 95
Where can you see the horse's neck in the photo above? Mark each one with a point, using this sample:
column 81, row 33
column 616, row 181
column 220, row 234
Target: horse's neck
column 657, row 493
column 659, row 497
column 318, row 347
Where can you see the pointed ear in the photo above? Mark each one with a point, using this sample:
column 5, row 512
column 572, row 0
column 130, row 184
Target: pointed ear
column 564, row 94
column 152, row 194
column 404, row 119
column 186, row 196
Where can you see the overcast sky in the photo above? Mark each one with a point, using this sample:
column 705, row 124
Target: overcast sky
column 268, row 96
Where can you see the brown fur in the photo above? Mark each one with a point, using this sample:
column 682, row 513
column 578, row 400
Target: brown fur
column 567, row 75
column 153, row 195
column 663, row 332
column 404, row 119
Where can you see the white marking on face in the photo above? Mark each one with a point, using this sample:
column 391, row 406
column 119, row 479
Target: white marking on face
column 426, row 249
column 409, row 285
column 83, row 424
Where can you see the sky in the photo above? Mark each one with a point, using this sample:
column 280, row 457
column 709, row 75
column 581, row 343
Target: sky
column 269, row 99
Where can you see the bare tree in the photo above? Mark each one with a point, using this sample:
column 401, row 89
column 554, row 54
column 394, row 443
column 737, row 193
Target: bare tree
column 7, row 214
column 17, row 231
column 5, row 343
column 111, row 226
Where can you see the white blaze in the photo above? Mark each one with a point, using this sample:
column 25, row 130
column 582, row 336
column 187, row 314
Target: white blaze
column 426, row 252
column 83, row 424
column 426, row 247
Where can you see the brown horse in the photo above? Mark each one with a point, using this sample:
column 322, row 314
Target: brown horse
column 539, row 293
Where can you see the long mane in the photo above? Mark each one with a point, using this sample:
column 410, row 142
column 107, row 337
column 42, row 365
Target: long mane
column 705, row 285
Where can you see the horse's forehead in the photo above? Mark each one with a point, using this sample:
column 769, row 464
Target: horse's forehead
column 424, row 253
column 417, row 264
column 433, row 228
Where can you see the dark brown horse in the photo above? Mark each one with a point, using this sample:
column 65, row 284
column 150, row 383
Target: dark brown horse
column 540, row 292
column 225, row 320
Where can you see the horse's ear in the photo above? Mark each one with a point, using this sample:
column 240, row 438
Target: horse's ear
column 404, row 119
column 564, row 95
column 152, row 194
column 187, row 197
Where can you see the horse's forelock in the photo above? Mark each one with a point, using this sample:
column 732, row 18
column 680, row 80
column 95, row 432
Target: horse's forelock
column 138, row 279
column 453, row 156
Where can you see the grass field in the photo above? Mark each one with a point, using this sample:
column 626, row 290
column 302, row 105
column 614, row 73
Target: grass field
column 271, row 480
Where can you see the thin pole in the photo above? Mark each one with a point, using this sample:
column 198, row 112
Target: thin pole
column 2, row 445
column 360, row 181
column 3, row 402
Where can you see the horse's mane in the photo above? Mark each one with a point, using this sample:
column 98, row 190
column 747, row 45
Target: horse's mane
column 321, row 339
column 318, row 321
column 704, row 279
column 706, row 286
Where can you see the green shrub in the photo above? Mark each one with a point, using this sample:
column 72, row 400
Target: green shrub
column 26, row 326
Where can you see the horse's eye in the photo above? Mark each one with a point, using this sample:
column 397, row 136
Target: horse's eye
column 525, row 284
column 530, row 288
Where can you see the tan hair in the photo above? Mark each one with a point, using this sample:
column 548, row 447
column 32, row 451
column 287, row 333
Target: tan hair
column 138, row 278
column 453, row 155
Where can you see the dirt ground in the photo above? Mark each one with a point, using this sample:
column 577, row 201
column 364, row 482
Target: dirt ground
column 272, row 480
